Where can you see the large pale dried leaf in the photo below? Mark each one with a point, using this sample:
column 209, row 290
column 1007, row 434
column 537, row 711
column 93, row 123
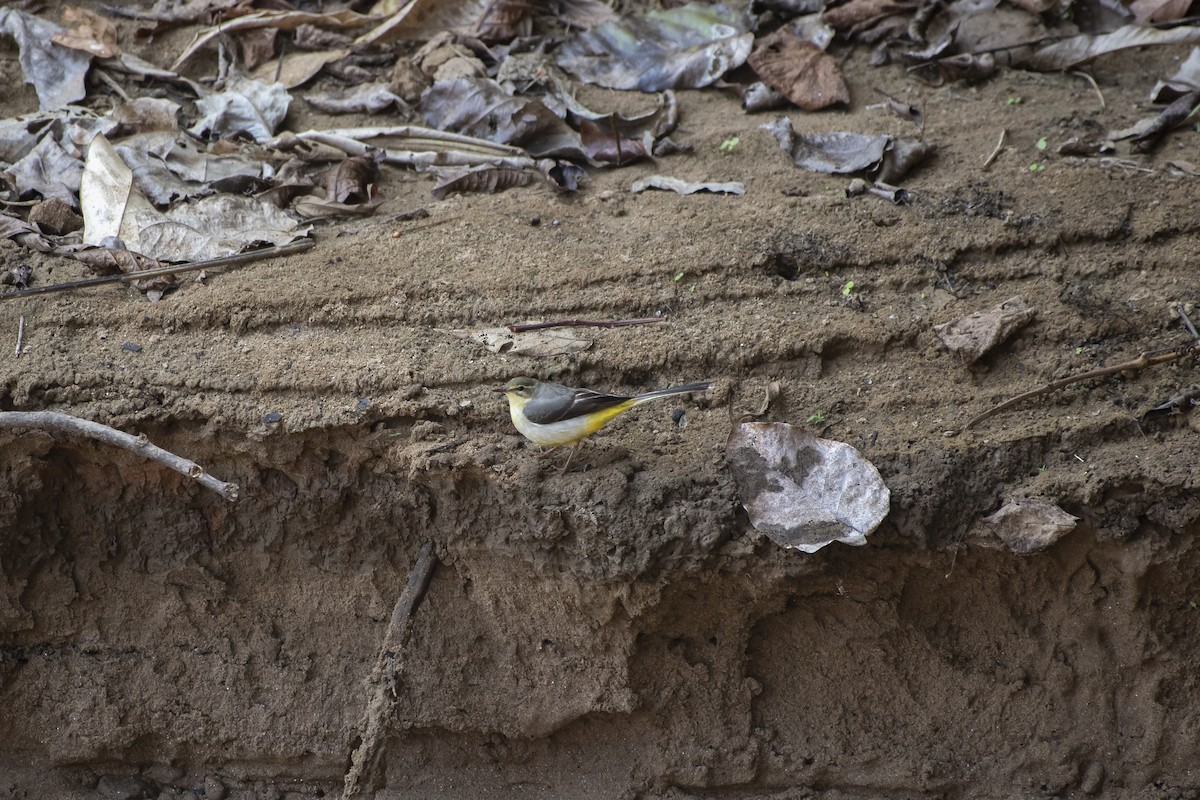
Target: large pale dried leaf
column 246, row 107
column 1027, row 526
column 296, row 69
column 802, row 491
column 488, row 20
column 56, row 72
column 1078, row 49
column 535, row 344
column 678, row 186
column 975, row 334
column 681, row 48
column 804, row 73
column 107, row 197
column 215, row 226
column 1186, row 79
column 89, row 32
column 48, row 170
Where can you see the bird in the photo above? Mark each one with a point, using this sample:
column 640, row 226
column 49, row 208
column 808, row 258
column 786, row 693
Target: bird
column 552, row 415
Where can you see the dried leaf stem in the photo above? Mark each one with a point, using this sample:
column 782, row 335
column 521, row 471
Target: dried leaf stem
column 52, row 420
column 235, row 260
column 525, row 327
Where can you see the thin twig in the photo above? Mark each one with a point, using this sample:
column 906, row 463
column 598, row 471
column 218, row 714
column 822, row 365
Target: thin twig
column 235, row 260
column 999, row 147
column 525, row 327
column 1080, row 73
column 1187, row 321
column 1147, row 359
column 20, row 336
column 53, row 420
column 112, row 84
column 381, row 685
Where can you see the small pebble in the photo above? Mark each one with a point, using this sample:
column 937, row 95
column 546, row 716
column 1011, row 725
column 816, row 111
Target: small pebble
column 679, row 417
column 363, row 404
column 272, row 417
column 535, row 221
column 131, row 347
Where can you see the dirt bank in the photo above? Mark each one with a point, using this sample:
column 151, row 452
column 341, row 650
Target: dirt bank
column 621, row 630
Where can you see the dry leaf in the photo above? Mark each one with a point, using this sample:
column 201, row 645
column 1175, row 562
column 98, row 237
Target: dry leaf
column 804, row 73
column 1031, row 525
column 535, row 344
column 89, row 32
column 487, row 20
column 56, row 72
column 247, row 106
column 483, row 179
column 680, row 48
column 974, row 335
column 1152, row 11
column 1071, row 52
column 684, row 187
column 803, row 491
column 296, row 69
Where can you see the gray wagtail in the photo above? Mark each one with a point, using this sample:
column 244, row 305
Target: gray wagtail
column 551, row 414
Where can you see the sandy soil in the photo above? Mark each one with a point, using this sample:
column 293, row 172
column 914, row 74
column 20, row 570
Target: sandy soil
column 621, row 630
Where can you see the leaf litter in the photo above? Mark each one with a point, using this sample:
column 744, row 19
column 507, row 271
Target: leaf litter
column 495, row 82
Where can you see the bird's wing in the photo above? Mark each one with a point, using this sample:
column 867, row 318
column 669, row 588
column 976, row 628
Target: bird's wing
column 557, row 403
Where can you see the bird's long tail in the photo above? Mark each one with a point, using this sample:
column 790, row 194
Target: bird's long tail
column 674, row 390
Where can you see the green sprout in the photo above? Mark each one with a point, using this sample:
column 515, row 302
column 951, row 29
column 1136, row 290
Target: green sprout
column 730, row 144
column 1041, row 143
column 847, row 288
column 1078, row 351
column 1015, row 100
column 816, row 418
column 679, row 277
column 1037, row 166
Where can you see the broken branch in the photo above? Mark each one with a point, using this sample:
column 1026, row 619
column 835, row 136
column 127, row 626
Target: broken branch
column 1146, row 359
column 235, row 260
column 525, row 327
column 52, row 420
column 372, row 729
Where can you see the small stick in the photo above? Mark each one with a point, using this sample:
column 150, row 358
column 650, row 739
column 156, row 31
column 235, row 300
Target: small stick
column 53, row 420
column 381, row 685
column 112, row 84
column 20, row 336
column 525, row 327
column 235, row 260
column 1080, row 73
column 1187, row 321
column 999, row 146
column 1146, row 359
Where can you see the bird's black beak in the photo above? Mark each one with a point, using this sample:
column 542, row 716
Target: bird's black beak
column 500, row 389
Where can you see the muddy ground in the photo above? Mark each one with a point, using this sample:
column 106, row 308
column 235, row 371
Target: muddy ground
column 621, row 631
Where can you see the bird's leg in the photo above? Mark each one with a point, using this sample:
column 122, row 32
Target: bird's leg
column 570, row 455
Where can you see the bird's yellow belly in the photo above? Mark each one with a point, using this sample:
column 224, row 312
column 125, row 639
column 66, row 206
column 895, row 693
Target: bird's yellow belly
column 567, row 431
